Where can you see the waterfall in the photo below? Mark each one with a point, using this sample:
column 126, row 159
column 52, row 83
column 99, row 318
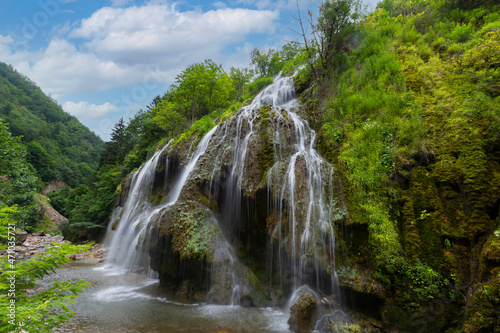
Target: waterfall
column 137, row 213
column 227, row 187
column 306, row 195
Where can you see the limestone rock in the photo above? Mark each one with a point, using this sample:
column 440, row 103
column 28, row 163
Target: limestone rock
column 22, row 237
column 303, row 311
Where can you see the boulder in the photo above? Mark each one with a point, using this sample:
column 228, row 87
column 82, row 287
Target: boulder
column 303, row 311
column 39, row 233
column 22, row 237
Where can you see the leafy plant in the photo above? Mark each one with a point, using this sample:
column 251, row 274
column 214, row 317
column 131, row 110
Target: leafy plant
column 23, row 309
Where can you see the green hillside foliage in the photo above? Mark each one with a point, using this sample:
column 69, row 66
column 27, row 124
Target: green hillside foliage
column 59, row 147
column 17, row 180
column 203, row 95
column 48, row 307
column 411, row 115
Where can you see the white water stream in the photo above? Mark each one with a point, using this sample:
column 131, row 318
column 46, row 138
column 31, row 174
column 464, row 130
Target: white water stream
column 299, row 183
column 134, row 218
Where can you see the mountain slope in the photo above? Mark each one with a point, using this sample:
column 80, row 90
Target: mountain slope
column 59, row 146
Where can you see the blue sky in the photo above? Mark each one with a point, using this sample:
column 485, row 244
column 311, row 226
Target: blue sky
column 102, row 60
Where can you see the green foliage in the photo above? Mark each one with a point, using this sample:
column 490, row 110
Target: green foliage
column 335, row 20
column 412, row 120
column 483, row 56
column 240, row 78
column 17, row 179
column 40, row 311
column 256, row 86
column 201, row 88
column 57, row 144
column 8, row 224
column 166, row 116
column 267, row 62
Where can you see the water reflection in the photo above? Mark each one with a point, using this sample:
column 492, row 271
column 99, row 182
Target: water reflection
column 118, row 302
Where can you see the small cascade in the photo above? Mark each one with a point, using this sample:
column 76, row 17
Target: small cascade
column 137, row 213
column 132, row 217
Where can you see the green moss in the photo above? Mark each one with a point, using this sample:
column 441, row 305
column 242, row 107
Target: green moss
column 491, row 250
column 192, row 233
column 115, row 224
column 265, row 156
column 482, row 313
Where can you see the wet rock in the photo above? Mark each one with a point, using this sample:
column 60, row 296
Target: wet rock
column 303, row 311
column 233, row 282
column 224, row 329
column 361, row 282
column 22, row 238
column 338, row 321
column 186, row 289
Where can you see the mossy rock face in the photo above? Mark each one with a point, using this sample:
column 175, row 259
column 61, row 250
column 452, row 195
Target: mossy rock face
column 301, row 82
column 123, row 189
column 223, row 202
column 482, row 311
column 361, row 282
column 265, row 156
column 491, row 250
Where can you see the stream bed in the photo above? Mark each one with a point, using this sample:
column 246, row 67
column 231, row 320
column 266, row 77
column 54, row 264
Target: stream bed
column 124, row 302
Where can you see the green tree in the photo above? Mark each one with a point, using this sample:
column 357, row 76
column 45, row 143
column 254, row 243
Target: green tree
column 266, row 62
column 119, row 145
column 17, row 179
column 335, row 20
column 240, row 77
column 201, row 88
column 218, row 85
column 167, row 117
column 289, row 51
column 42, row 311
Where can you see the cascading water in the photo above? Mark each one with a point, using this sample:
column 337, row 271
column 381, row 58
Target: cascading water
column 216, row 211
column 306, row 204
column 134, row 218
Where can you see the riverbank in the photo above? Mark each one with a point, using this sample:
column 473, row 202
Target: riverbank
column 29, row 245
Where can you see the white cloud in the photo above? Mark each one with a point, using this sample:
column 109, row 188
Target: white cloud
column 155, row 34
column 118, row 47
column 118, row 3
column 219, row 4
column 87, row 111
column 62, row 69
column 6, row 40
column 273, row 4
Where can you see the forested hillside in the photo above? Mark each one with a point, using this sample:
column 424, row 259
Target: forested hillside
column 58, row 146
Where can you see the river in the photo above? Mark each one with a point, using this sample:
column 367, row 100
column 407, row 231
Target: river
column 126, row 303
